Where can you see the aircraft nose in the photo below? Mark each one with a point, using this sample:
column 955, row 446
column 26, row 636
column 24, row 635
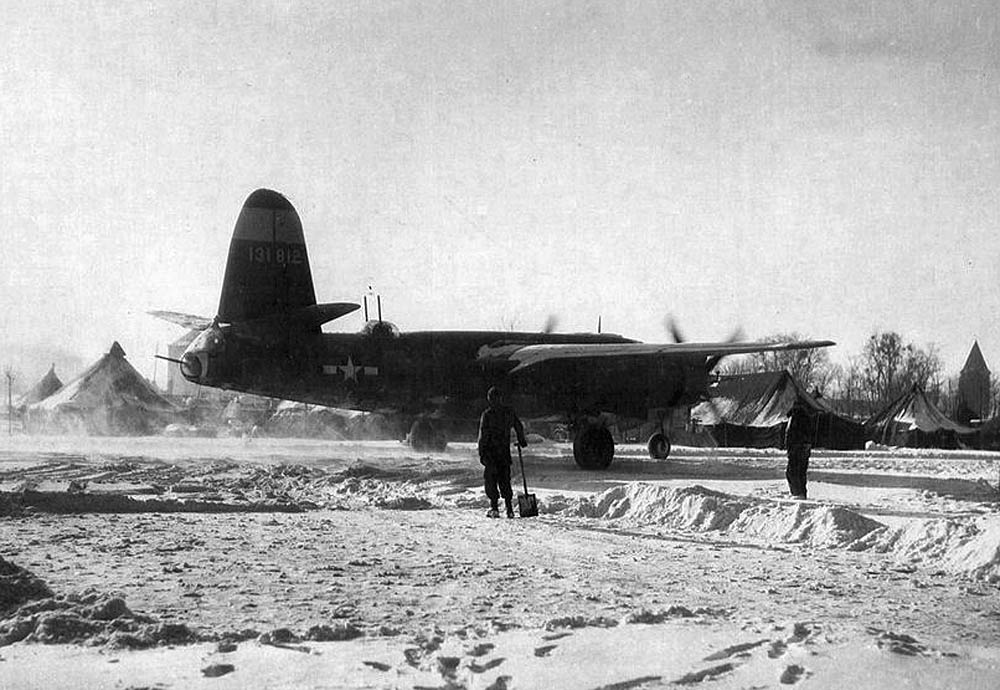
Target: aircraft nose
column 191, row 366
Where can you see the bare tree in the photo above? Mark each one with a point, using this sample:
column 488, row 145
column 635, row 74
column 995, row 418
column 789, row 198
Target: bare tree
column 889, row 367
column 923, row 368
column 882, row 359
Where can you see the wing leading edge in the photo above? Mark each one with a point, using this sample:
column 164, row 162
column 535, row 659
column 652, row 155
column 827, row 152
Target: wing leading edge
column 532, row 355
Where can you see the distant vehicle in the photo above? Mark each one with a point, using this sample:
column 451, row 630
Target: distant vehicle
column 266, row 340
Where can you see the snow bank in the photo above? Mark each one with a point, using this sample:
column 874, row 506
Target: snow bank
column 699, row 509
column 968, row 547
column 962, row 546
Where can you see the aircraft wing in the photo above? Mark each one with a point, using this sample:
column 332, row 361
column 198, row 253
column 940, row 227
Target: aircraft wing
column 189, row 321
column 531, row 355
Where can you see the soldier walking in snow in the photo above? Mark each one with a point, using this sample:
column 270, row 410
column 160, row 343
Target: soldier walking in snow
column 798, row 444
column 494, row 450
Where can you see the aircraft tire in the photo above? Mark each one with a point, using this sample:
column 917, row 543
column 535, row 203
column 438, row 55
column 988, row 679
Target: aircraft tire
column 593, row 448
column 658, row 446
column 424, row 436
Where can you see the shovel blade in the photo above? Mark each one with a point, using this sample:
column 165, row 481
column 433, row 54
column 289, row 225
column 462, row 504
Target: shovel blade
column 527, row 505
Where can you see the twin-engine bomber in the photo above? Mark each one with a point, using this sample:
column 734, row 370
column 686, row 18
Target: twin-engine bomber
column 267, row 340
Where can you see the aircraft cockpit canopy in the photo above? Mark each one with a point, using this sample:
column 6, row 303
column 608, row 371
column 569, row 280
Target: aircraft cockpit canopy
column 380, row 329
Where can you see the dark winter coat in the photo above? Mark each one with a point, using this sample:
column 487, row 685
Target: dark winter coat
column 494, row 434
column 799, row 430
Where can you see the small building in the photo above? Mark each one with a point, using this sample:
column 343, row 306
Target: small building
column 974, row 388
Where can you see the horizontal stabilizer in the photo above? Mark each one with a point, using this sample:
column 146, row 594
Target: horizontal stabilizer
column 304, row 318
column 189, row 321
column 318, row 314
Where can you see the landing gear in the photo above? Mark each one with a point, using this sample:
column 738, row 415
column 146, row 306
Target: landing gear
column 658, row 446
column 593, row 447
column 426, row 436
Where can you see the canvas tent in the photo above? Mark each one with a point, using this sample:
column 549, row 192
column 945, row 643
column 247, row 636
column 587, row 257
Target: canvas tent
column 109, row 398
column 913, row 420
column 751, row 411
column 45, row 387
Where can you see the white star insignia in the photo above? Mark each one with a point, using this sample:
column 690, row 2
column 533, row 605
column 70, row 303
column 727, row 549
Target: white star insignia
column 350, row 371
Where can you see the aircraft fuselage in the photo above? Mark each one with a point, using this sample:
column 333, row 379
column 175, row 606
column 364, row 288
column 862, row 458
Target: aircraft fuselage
column 429, row 371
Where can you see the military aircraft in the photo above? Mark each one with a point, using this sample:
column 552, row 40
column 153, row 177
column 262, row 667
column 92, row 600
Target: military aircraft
column 267, row 340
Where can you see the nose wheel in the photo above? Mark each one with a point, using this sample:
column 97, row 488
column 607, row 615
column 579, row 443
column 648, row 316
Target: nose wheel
column 658, row 446
column 425, row 435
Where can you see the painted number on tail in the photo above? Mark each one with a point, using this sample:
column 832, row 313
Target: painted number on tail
column 267, row 254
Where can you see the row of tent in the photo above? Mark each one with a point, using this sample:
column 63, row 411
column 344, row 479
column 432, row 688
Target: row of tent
column 751, row 410
column 109, row 398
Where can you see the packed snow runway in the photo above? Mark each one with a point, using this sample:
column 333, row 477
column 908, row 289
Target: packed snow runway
column 283, row 563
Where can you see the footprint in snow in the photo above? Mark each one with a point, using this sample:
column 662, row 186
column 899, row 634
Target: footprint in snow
column 630, row 684
column 482, row 649
column 705, row 674
column 544, row 650
column 483, row 668
column 777, row 650
column 556, row 636
column 501, row 683
column 216, row 670
column 734, row 650
column 792, row 674
column 802, row 631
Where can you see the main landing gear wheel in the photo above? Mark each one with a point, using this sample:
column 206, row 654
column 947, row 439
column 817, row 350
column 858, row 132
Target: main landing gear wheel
column 658, row 446
column 425, row 436
column 593, row 448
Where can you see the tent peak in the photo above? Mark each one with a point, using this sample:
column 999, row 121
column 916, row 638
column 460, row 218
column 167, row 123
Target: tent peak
column 117, row 351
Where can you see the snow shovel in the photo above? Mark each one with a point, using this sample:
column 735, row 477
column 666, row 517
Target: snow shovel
column 527, row 504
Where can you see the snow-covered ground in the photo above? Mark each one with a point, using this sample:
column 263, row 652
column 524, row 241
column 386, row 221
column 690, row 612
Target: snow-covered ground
column 294, row 563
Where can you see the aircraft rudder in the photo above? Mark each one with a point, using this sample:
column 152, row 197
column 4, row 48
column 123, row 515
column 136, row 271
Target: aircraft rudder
column 267, row 272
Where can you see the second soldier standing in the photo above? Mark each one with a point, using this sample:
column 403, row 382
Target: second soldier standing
column 494, row 450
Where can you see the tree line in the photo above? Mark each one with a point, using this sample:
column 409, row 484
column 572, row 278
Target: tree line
column 885, row 368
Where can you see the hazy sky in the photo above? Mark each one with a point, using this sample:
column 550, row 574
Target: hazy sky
column 822, row 166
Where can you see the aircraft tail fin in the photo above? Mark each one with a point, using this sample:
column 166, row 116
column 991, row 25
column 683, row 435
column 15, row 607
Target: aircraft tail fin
column 267, row 273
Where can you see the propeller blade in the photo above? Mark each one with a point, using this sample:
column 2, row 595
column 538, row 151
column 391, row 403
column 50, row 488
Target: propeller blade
column 675, row 332
column 738, row 335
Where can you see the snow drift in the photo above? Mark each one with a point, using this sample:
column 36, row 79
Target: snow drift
column 962, row 546
column 698, row 509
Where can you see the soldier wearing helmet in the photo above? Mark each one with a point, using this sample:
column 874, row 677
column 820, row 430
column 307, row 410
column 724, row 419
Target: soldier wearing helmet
column 494, row 450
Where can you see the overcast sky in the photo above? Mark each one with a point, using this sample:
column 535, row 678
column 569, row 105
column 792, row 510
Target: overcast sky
column 822, row 166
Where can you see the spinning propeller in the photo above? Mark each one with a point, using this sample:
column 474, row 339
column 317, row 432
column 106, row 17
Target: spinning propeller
column 670, row 324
